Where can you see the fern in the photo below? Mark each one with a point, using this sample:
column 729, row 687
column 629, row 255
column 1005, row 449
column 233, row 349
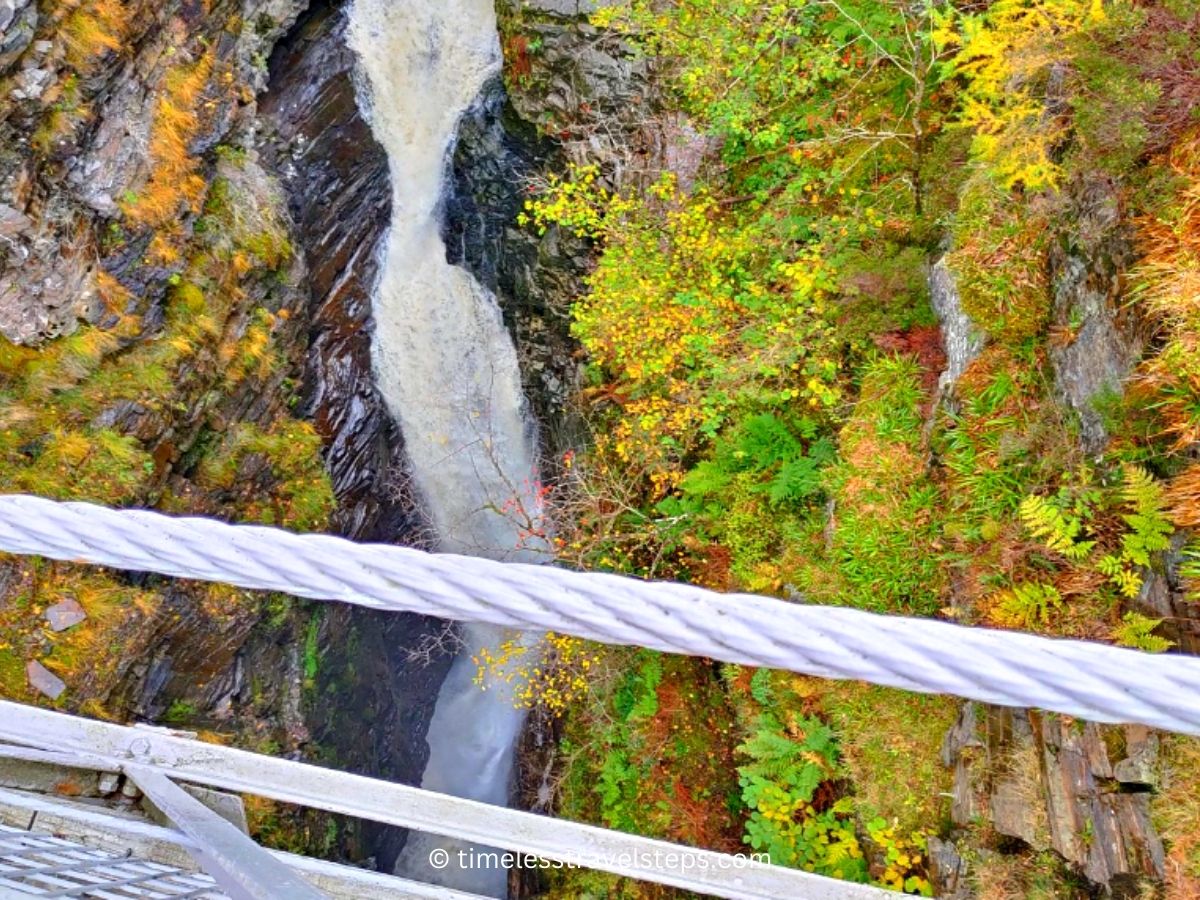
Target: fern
column 798, row 765
column 1137, row 631
column 1059, row 531
column 1126, row 580
column 1189, row 570
column 764, row 441
column 618, row 789
column 1149, row 531
column 772, row 456
column 1026, row 605
column 778, row 784
column 707, row 479
column 797, row 479
column 760, row 687
column 637, row 697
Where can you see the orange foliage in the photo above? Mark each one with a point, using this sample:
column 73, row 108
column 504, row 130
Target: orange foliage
column 174, row 177
column 1183, row 495
column 93, row 29
column 1170, row 289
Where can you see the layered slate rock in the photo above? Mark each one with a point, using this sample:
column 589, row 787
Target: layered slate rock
column 73, row 146
column 339, row 195
column 1054, row 783
column 1086, row 264
column 65, row 614
column 44, row 681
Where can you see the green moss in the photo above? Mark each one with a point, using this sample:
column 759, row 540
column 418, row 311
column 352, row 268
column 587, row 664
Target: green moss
column 884, row 288
column 887, row 509
column 999, row 260
column 12, row 672
column 890, row 744
column 300, row 494
column 180, row 712
column 87, row 656
column 311, row 664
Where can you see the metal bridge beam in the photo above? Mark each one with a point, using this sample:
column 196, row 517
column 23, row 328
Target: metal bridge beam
column 244, row 870
column 118, row 832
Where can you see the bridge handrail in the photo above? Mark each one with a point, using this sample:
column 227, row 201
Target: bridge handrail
column 154, row 758
column 1082, row 679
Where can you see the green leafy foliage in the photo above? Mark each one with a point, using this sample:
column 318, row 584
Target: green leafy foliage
column 785, row 465
column 886, row 517
column 1137, row 631
column 764, row 363
column 779, row 780
column 1059, row 530
column 620, row 776
column 1149, row 531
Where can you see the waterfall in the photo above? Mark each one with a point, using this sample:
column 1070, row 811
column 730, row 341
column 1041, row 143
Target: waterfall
column 447, row 368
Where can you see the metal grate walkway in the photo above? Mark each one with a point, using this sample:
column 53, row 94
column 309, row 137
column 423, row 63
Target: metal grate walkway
column 34, row 864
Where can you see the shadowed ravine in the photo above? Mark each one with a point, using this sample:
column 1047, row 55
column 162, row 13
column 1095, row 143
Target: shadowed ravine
column 447, row 368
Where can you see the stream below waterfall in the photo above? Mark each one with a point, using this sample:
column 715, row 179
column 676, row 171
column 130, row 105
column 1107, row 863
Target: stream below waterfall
column 447, row 369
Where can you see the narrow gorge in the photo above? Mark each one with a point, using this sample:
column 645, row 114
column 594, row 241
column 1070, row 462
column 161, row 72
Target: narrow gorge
column 447, row 369
column 853, row 303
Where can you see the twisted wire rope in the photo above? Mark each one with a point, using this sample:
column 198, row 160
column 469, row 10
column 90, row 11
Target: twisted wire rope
column 1087, row 680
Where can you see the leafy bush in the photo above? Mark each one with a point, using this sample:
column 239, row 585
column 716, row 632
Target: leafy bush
column 779, row 782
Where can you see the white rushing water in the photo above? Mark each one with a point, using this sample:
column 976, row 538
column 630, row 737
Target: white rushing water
column 447, row 368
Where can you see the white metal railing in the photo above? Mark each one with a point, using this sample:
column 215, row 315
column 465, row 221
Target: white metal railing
column 1086, row 680
column 155, row 759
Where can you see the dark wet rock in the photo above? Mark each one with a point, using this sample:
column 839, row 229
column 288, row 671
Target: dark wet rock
column 947, row 867
column 1107, row 833
column 336, row 177
column 960, row 748
column 534, row 277
column 65, row 614
column 1163, row 595
column 1086, row 264
column 43, row 680
column 1140, row 768
column 124, row 415
column 582, row 85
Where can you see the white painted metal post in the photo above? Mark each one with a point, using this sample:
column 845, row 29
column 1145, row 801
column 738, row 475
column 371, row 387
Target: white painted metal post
column 242, row 868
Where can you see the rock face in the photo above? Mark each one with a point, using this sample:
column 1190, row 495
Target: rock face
column 1078, row 788
column 584, row 86
column 961, row 339
column 75, row 125
column 1086, row 264
column 1164, row 596
column 87, row 110
column 534, row 278
column 336, row 177
column 44, row 681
